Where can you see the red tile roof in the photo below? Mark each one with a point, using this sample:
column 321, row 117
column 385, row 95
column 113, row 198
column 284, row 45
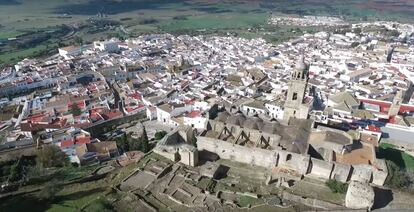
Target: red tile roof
column 67, row 143
column 384, row 105
column 193, row 114
column 135, row 95
column 37, row 117
column 373, row 128
column 392, row 120
column 130, row 109
column 83, row 140
column 95, row 117
column 111, row 114
column 81, row 125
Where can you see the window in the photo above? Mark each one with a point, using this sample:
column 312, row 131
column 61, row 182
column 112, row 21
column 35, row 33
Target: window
column 295, row 96
column 288, row 157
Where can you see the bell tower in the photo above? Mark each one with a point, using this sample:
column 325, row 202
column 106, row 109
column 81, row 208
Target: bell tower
column 294, row 106
column 396, row 104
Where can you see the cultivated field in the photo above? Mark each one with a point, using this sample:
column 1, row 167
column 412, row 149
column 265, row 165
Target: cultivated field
column 20, row 18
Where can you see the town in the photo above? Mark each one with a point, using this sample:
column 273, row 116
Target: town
column 222, row 123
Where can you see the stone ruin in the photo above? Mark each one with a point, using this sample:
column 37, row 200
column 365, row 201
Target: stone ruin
column 359, row 196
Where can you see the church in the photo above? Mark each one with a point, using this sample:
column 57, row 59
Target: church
column 297, row 105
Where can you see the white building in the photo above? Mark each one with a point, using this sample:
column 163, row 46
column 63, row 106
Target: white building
column 109, row 46
column 254, row 108
column 195, row 120
column 275, row 110
column 70, row 51
column 151, row 113
column 166, row 112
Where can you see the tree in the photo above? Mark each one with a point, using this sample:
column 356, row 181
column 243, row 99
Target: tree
column 144, row 141
column 354, row 44
column 9, row 97
column 16, row 171
column 50, row 190
column 76, row 111
column 78, row 40
column 337, row 187
column 357, row 31
column 51, row 156
column 194, row 141
column 134, row 144
column 122, row 143
column 159, row 135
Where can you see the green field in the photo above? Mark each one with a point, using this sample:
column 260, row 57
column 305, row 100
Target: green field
column 32, row 14
column 219, row 21
column 75, row 196
column 400, row 158
column 9, row 34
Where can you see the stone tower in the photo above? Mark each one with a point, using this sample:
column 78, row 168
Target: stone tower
column 294, row 105
column 396, row 104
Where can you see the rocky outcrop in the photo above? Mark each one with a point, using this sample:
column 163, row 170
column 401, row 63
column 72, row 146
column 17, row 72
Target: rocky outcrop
column 359, row 196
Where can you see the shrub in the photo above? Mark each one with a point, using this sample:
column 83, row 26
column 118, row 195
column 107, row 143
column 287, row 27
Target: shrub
column 337, row 187
column 99, row 205
column 397, row 178
column 49, row 191
column 51, row 156
column 159, row 135
column 76, row 111
column 148, row 21
column 354, row 44
column 16, row 172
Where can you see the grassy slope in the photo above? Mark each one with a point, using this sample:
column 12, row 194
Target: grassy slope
column 400, row 158
column 219, row 21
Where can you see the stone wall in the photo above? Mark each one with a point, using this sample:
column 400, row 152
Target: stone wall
column 252, row 156
column 361, row 173
column 167, row 152
column 379, row 172
column 294, row 161
column 341, row 172
column 299, row 112
column 188, row 156
column 97, row 129
column 315, row 203
column 320, row 169
column 303, row 164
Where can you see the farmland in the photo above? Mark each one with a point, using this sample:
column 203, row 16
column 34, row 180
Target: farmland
column 25, row 19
